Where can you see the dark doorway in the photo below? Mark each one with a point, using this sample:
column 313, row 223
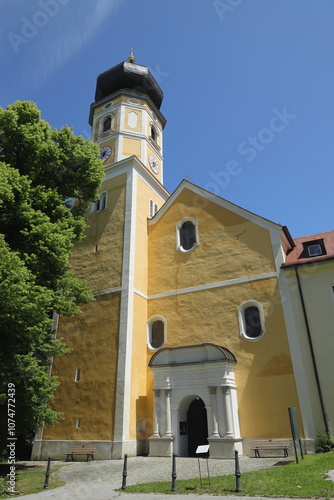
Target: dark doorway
column 197, row 426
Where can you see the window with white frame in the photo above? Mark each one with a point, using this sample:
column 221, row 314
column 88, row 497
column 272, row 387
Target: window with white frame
column 153, row 208
column 154, row 133
column 100, row 204
column 187, row 235
column 157, row 332
column 314, row 248
column 106, row 123
column 251, row 320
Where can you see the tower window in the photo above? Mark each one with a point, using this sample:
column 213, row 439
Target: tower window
column 187, row 235
column 153, row 134
column 107, row 124
column 100, row 204
column 156, row 332
column 251, row 320
column 153, row 208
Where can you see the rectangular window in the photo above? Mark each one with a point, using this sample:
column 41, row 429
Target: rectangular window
column 314, row 250
column 77, row 375
column 100, row 204
column 153, row 208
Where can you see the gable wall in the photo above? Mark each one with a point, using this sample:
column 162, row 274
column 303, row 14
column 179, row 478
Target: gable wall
column 231, row 248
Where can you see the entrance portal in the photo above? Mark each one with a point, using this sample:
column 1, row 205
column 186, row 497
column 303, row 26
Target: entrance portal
column 195, row 401
column 197, row 426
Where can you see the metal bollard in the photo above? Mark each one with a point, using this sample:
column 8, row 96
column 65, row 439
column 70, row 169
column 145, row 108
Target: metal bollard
column 174, row 476
column 237, row 473
column 47, row 474
column 125, row 472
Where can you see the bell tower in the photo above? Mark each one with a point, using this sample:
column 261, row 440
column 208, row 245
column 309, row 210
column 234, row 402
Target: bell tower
column 109, row 337
column 125, row 118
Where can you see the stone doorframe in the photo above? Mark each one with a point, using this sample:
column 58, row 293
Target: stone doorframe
column 180, row 375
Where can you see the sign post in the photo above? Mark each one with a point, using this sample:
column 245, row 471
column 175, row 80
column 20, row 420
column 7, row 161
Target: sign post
column 295, row 431
column 203, row 449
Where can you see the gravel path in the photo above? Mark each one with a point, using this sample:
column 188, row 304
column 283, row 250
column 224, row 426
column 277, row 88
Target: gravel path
column 98, row 480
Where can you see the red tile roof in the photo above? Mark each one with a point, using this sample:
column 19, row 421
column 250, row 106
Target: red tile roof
column 298, row 254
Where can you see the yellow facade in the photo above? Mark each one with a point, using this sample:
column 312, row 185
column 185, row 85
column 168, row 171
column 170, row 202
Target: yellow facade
column 139, row 274
column 94, row 393
column 231, row 247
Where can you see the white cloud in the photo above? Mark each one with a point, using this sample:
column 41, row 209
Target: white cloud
column 51, row 32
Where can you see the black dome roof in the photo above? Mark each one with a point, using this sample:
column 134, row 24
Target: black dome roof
column 128, row 75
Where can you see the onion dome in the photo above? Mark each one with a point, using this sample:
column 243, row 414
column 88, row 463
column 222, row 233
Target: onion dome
column 128, row 76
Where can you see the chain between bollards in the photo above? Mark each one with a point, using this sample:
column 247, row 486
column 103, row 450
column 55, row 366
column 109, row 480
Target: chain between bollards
column 237, row 473
column 174, row 476
column 125, row 472
column 47, row 474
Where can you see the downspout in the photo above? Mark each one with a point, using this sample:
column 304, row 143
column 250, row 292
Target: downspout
column 323, row 410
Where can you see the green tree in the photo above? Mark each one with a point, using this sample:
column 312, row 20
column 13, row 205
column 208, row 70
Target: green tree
column 41, row 171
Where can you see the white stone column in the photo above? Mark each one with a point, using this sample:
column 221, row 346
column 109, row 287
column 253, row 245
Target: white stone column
column 228, row 412
column 215, row 431
column 156, row 431
column 168, row 431
column 220, row 412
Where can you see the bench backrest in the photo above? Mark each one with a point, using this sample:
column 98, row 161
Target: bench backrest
column 284, row 443
column 82, row 449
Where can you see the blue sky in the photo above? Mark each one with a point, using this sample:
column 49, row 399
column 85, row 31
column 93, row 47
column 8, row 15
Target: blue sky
column 248, row 86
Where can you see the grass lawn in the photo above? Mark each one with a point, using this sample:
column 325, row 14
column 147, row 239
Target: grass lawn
column 306, row 480
column 29, row 479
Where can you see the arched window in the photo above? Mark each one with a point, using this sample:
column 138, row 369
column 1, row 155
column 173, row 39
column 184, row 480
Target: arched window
column 106, row 124
column 156, row 332
column 251, row 320
column 153, row 133
column 187, row 235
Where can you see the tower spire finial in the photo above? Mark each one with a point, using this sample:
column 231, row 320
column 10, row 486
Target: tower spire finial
column 131, row 57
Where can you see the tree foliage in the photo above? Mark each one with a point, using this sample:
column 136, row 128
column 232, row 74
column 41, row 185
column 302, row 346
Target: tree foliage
column 41, row 171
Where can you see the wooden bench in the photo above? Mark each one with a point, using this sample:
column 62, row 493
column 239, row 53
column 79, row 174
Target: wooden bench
column 81, row 450
column 271, row 444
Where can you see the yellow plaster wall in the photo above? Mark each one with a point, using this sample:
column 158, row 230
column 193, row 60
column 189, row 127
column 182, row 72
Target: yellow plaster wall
column 131, row 147
column 138, row 112
column 93, row 336
column 103, row 269
column 264, row 374
column 230, row 247
column 138, row 415
column 144, row 194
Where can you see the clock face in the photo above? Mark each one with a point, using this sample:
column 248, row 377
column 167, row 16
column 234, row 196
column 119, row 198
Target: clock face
column 153, row 164
column 105, row 152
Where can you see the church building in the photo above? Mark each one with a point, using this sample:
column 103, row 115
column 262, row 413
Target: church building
column 193, row 337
